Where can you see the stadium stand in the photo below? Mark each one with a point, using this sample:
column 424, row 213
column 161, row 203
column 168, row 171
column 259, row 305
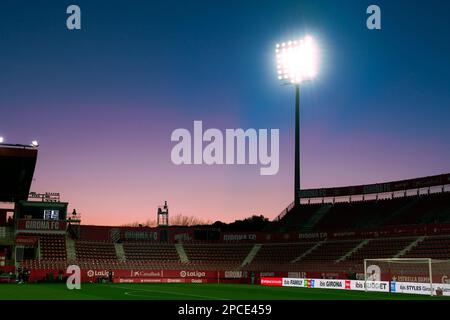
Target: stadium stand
column 411, row 210
column 437, row 247
column 381, row 248
column 151, row 252
column 330, row 251
column 53, row 247
column 281, row 253
column 337, row 251
column 219, row 255
column 327, row 237
column 94, row 251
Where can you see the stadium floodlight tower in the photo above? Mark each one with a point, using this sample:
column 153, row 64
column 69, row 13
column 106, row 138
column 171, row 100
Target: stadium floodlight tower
column 163, row 215
column 297, row 63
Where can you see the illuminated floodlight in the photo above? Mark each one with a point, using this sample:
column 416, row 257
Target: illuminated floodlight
column 35, row 143
column 2, row 140
column 297, row 61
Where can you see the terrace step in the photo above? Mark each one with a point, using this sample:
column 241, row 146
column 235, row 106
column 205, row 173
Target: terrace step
column 400, row 211
column 320, row 213
column 70, row 249
column 317, row 245
column 180, row 250
column 18, row 254
column 355, row 249
column 410, row 247
column 120, row 252
column 249, row 258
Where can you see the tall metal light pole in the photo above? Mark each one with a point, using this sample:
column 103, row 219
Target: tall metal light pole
column 297, row 147
column 297, row 63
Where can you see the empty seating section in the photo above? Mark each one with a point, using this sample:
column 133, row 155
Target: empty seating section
column 86, row 250
column 381, row 248
column 360, row 215
column 432, row 247
column 330, row 251
column 221, row 255
column 295, row 219
column 150, row 252
column 433, row 208
column 411, row 210
column 277, row 256
column 52, row 247
column 44, row 264
column 379, row 221
column 281, row 253
column 270, row 257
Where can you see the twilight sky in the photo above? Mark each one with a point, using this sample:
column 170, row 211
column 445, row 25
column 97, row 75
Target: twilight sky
column 104, row 100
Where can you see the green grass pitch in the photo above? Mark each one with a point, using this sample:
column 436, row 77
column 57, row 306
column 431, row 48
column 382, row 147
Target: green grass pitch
column 188, row 292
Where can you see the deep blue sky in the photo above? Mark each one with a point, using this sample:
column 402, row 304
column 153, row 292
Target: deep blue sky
column 103, row 101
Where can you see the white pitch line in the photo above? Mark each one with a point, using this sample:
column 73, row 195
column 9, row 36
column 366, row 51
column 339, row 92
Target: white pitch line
column 169, row 292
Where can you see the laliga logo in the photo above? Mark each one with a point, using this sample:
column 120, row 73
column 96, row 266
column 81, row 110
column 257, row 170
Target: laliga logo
column 192, row 274
column 92, row 273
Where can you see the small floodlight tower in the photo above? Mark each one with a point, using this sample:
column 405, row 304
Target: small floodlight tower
column 163, row 215
column 296, row 64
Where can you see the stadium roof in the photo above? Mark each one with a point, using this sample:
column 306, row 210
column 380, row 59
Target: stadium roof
column 409, row 184
column 17, row 164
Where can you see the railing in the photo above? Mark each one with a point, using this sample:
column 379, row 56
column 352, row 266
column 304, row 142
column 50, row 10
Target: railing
column 285, row 211
column 377, row 196
column 367, row 197
column 74, row 218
